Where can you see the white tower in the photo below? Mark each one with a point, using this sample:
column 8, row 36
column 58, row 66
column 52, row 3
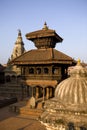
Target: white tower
column 19, row 47
column 17, row 51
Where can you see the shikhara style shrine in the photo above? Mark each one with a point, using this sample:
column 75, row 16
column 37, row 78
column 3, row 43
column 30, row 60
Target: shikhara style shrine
column 43, row 68
column 68, row 109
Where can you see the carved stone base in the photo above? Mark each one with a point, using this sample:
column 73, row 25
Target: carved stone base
column 36, row 113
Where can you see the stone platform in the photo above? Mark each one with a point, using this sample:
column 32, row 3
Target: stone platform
column 10, row 120
column 33, row 113
column 21, row 123
column 24, row 108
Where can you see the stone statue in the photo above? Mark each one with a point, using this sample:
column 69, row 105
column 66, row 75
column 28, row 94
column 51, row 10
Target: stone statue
column 32, row 102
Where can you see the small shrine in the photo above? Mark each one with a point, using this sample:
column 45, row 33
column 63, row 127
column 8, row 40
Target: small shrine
column 68, row 109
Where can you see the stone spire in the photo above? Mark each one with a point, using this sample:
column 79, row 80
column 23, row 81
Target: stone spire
column 18, row 47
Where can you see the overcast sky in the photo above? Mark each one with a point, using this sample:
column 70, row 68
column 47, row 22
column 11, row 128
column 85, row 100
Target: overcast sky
column 67, row 17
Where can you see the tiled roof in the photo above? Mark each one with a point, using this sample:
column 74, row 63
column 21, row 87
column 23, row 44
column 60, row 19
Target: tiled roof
column 42, row 56
column 43, row 33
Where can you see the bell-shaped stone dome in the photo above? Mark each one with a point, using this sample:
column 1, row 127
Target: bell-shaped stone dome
column 73, row 90
column 69, row 106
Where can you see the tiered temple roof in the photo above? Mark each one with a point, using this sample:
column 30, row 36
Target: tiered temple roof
column 45, row 40
column 40, row 56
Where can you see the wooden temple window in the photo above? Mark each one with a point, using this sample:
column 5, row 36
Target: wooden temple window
column 31, row 71
column 38, row 70
column 55, row 70
column 13, row 77
column 8, row 78
column 46, row 71
column 23, row 71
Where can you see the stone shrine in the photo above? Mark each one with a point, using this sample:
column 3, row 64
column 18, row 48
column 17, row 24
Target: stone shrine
column 68, row 109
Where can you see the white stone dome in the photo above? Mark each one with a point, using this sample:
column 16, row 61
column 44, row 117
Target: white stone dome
column 69, row 106
column 73, row 90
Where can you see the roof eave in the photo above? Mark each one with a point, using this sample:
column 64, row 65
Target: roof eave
column 43, row 62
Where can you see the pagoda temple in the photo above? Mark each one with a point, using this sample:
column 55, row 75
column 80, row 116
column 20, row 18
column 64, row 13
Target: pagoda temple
column 43, row 68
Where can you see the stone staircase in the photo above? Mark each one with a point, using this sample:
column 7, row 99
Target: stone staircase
column 25, row 110
column 32, row 112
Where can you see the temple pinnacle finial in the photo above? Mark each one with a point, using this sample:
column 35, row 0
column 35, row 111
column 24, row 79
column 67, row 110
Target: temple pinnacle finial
column 45, row 26
column 78, row 62
column 19, row 32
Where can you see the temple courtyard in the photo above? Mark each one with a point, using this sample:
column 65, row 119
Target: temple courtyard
column 13, row 121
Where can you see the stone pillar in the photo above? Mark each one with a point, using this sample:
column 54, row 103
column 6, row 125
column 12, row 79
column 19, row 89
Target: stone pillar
column 43, row 94
column 27, row 91
column 37, row 92
column 47, row 93
column 51, row 92
column 77, row 128
column 32, row 92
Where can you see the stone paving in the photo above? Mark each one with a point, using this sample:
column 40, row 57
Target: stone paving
column 5, row 114
column 12, row 121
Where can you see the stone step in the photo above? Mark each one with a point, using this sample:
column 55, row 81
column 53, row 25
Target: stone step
column 31, row 112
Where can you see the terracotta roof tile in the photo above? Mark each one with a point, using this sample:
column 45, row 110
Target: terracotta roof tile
column 42, row 55
column 43, row 33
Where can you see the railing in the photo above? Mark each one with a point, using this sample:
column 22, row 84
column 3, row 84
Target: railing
column 42, row 77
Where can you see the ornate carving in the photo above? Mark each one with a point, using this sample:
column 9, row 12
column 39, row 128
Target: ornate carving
column 44, row 42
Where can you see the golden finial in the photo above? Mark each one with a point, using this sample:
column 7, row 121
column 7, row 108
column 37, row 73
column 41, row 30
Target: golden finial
column 19, row 32
column 45, row 26
column 78, row 62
